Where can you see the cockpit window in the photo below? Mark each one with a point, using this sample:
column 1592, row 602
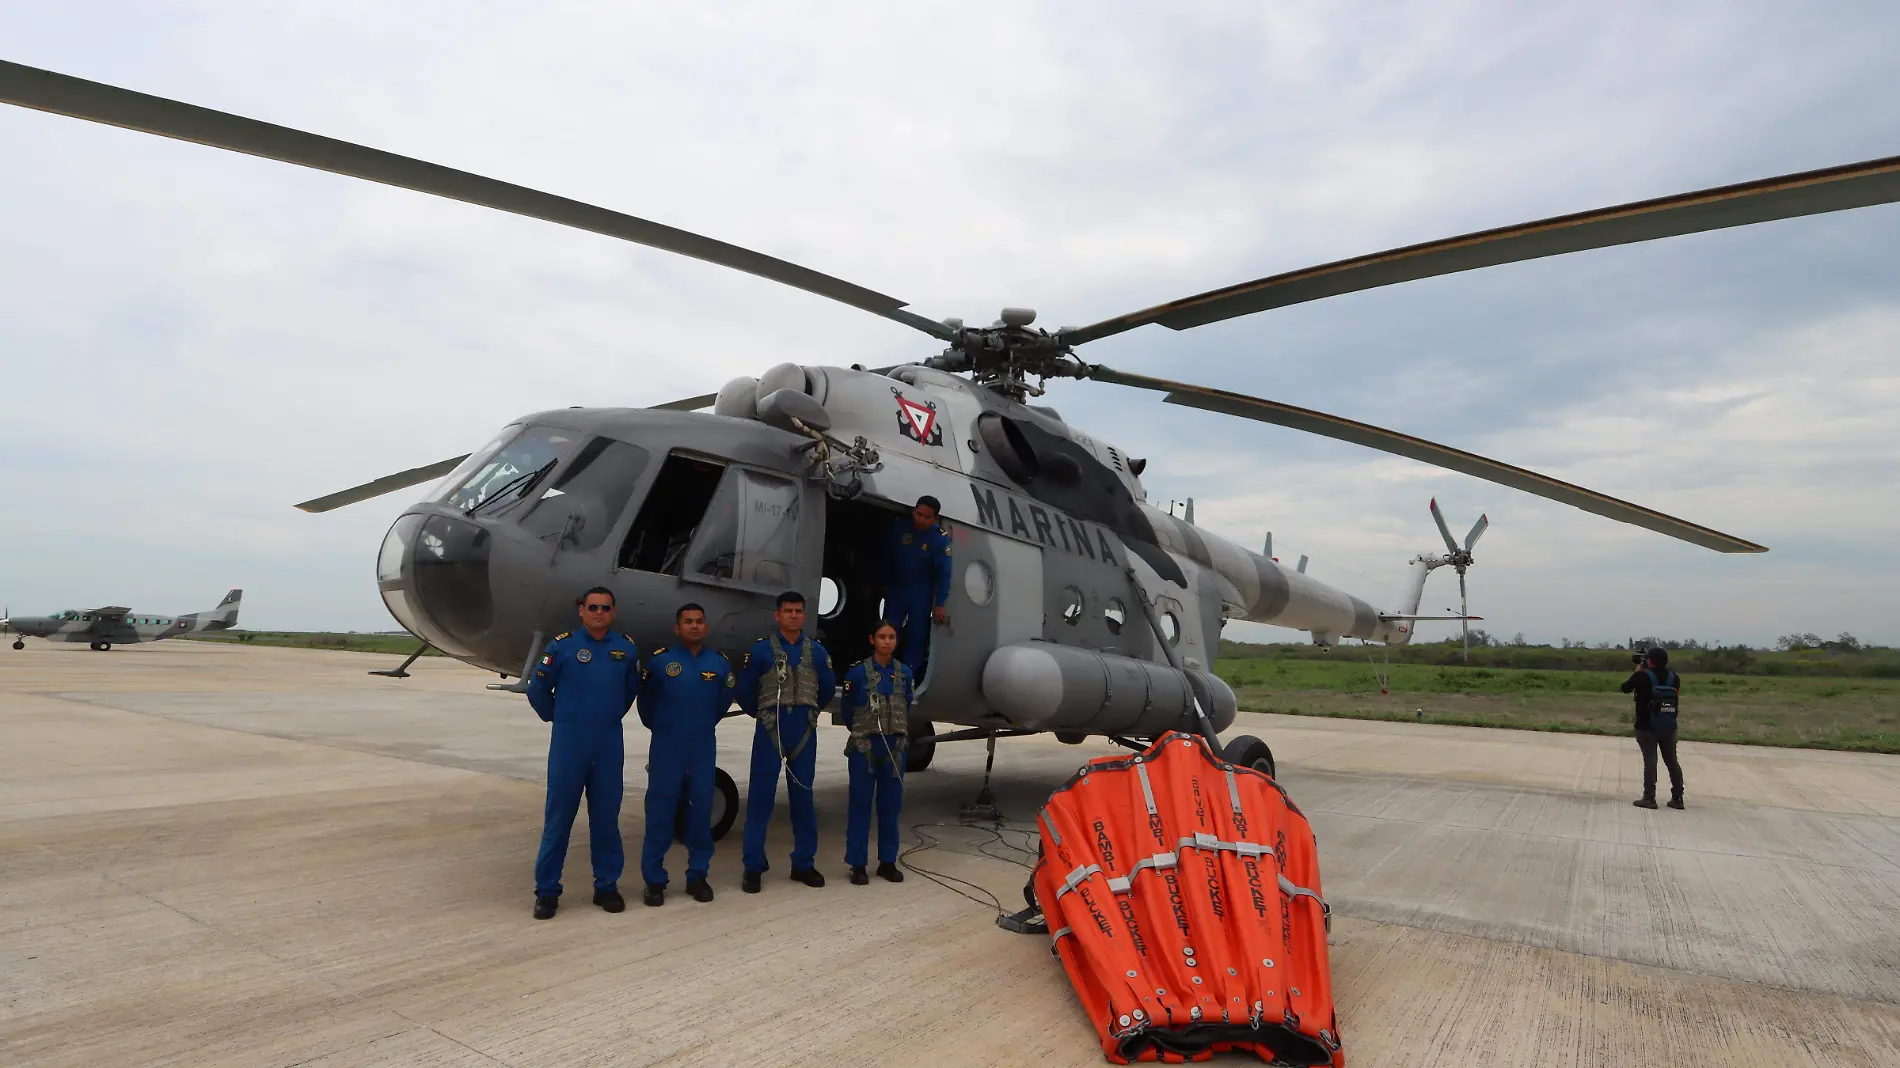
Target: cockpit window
column 587, row 499
column 750, row 534
column 672, row 512
column 503, row 462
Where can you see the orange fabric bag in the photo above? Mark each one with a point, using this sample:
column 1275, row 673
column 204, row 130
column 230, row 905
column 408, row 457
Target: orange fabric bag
column 1183, row 897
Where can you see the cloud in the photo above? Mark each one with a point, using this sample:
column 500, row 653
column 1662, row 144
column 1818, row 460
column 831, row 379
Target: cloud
column 195, row 340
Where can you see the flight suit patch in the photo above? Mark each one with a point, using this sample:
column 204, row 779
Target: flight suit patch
column 584, row 655
column 708, row 676
column 732, row 680
column 673, row 670
column 617, row 654
column 547, row 659
column 906, row 538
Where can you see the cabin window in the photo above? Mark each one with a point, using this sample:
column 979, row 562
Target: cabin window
column 590, row 495
column 671, row 514
column 1115, row 615
column 1071, row 605
column 1171, row 627
column 750, row 535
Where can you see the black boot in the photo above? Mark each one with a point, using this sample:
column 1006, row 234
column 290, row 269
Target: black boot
column 808, row 876
column 750, row 884
column 654, row 895
column 858, row 878
column 610, row 900
column 1676, row 802
column 889, row 873
column 701, row 892
column 1644, row 802
column 544, row 907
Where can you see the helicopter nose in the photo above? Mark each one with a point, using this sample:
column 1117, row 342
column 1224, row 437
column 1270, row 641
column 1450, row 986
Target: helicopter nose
column 433, row 575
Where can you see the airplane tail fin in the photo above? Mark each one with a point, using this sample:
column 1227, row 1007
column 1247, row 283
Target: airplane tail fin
column 224, row 617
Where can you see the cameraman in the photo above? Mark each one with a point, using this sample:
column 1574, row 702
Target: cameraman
column 1657, row 691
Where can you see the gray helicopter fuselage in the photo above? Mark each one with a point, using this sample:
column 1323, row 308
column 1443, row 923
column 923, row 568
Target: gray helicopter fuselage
column 1051, row 539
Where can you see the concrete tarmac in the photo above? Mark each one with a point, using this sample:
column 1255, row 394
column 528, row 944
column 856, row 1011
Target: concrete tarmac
column 222, row 855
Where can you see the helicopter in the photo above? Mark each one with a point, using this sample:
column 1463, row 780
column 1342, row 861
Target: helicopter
column 1077, row 608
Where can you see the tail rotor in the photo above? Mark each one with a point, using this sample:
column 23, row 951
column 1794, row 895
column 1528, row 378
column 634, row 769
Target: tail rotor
column 1459, row 557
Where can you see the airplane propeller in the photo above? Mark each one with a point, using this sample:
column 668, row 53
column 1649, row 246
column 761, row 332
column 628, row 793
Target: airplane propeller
column 1459, row 557
column 1006, row 355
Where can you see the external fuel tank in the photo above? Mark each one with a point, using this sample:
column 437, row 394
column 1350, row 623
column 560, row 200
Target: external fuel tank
column 1044, row 686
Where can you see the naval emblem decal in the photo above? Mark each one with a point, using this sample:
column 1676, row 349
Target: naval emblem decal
column 918, row 422
column 583, row 655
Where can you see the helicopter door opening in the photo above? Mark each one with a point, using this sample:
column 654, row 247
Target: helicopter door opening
column 851, row 594
column 671, row 514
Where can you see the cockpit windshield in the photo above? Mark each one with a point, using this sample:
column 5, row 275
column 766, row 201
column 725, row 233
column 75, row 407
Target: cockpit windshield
column 518, row 452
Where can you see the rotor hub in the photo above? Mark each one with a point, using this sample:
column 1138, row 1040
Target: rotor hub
column 1005, row 355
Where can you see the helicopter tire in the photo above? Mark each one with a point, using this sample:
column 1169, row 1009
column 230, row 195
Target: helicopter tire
column 1072, row 737
column 1249, row 752
column 17, row 644
column 725, row 808
column 917, row 755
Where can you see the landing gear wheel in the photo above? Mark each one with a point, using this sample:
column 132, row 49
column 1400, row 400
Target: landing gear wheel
column 917, row 755
column 1072, row 737
column 1249, row 752
column 17, row 644
column 105, row 647
column 725, row 808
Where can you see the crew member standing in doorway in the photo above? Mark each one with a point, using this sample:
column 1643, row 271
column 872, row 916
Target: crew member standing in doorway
column 787, row 678
column 584, row 685
column 877, row 693
column 916, row 572
column 1658, row 691
column 685, row 690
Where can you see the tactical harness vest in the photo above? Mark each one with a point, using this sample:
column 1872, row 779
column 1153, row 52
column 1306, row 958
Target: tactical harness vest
column 786, row 687
column 886, row 714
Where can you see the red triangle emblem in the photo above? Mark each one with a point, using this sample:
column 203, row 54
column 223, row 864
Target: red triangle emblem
column 920, row 418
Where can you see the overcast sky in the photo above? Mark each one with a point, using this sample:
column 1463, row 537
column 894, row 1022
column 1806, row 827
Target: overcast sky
column 193, row 340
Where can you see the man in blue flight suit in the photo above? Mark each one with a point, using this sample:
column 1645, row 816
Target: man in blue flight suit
column 685, row 690
column 584, row 685
column 877, row 696
column 787, row 678
column 916, row 573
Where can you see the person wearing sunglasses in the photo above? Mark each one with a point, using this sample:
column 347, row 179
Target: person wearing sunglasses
column 584, row 685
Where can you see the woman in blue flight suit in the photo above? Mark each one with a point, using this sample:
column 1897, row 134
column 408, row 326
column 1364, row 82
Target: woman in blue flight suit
column 876, row 706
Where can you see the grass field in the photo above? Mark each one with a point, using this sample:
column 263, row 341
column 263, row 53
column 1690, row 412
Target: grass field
column 1804, row 700
column 1860, row 713
column 398, row 644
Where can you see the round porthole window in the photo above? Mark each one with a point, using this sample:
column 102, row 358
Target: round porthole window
column 1115, row 615
column 830, row 598
column 1171, row 627
column 1071, row 605
column 979, row 583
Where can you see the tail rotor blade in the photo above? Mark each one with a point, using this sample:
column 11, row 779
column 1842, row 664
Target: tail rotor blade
column 1439, row 518
column 1477, row 531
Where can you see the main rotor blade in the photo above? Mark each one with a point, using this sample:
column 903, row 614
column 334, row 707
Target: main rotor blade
column 402, row 479
column 60, row 94
column 1477, row 531
column 1333, row 426
column 1443, row 530
column 1856, row 185
column 385, row 484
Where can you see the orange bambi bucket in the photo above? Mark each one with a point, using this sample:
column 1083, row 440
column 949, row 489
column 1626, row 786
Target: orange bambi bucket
column 1183, row 897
